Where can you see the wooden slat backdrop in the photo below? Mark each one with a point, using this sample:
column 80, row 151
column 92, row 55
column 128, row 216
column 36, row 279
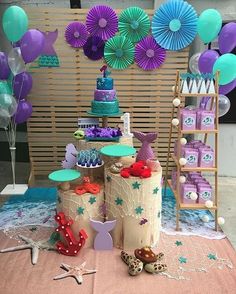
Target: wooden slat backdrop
column 61, row 95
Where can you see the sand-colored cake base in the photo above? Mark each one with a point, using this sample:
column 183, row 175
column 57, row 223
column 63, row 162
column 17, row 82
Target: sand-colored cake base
column 136, row 205
column 81, row 209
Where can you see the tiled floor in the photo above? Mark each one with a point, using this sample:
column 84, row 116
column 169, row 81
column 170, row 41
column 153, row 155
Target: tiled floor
column 227, row 194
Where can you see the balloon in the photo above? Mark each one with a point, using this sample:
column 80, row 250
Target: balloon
column 193, row 63
column 4, row 118
column 4, row 88
column 209, row 25
column 15, row 23
column 225, row 89
column 207, row 60
column 22, row 85
column 224, row 105
column 4, row 67
column 15, row 61
column 32, row 44
column 226, row 65
column 8, row 102
column 227, row 38
column 24, row 111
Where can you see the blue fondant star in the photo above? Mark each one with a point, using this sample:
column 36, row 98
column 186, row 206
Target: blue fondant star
column 138, row 210
column 119, row 201
column 92, row 200
column 182, row 259
column 80, row 210
column 136, row 185
column 155, row 191
column 108, row 178
column 211, row 256
column 178, row 243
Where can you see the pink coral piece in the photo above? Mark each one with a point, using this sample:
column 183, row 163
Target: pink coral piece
column 145, row 151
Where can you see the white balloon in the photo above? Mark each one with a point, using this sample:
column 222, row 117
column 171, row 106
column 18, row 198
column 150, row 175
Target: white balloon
column 183, row 141
column 193, row 63
column 176, row 102
column 4, row 118
column 175, row 122
column 224, row 105
column 205, row 218
column 221, row 220
column 15, row 61
column 8, row 102
column 193, row 196
column 182, row 179
column 182, row 161
column 209, row 204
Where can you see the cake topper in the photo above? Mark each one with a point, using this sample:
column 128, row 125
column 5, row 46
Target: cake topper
column 105, row 71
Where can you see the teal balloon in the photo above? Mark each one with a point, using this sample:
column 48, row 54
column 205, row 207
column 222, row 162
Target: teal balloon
column 15, row 23
column 5, row 88
column 226, row 65
column 209, row 25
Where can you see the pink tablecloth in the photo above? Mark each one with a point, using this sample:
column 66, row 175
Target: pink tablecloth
column 19, row 276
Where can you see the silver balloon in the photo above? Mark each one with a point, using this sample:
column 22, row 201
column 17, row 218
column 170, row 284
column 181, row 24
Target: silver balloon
column 4, row 118
column 193, row 63
column 8, row 103
column 15, row 61
column 224, row 105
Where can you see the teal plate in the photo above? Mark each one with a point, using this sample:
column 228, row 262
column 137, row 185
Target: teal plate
column 118, row 150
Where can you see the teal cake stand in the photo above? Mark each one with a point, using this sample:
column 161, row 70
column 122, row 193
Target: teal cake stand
column 117, row 150
column 64, row 177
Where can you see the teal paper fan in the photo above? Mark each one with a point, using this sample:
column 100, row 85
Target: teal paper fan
column 134, row 23
column 174, row 25
column 119, row 52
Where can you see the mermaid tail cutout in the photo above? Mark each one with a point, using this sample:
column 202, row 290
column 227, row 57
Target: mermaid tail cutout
column 145, row 151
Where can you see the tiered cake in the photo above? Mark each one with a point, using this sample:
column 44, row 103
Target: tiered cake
column 105, row 101
column 133, row 201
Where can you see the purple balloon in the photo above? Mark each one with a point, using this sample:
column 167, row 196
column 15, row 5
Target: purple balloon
column 4, row 67
column 22, row 84
column 23, row 112
column 207, row 60
column 32, row 44
column 225, row 89
column 227, row 38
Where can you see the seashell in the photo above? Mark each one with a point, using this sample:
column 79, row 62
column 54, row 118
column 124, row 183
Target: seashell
column 155, row 267
column 114, row 169
column 119, row 164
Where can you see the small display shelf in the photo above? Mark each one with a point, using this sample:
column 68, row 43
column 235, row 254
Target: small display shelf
column 176, row 113
column 118, row 150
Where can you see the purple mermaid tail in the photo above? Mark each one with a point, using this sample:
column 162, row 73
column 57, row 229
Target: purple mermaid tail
column 145, row 151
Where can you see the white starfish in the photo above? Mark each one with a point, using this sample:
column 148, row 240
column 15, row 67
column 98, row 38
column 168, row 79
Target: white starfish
column 35, row 246
column 76, row 272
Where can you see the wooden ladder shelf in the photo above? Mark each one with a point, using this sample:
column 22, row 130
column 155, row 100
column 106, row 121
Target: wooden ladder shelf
column 180, row 133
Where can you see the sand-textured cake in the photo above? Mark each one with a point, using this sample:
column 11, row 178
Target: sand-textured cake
column 136, row 205
column 82, row 208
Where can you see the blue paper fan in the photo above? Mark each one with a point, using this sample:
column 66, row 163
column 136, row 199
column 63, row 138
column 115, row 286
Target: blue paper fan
column 174, row 25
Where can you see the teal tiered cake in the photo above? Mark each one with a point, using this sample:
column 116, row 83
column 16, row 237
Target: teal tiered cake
column 105, row 101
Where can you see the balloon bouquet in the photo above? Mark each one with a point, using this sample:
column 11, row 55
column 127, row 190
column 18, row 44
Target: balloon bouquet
column 210, row 61
column 15, row 82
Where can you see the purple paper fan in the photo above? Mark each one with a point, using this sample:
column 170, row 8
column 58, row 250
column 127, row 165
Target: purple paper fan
column 76, row 34
column 102, row 21
column 148, row 54
column 94, row 48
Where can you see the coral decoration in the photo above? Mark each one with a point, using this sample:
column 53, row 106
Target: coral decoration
column 87, row 187
column 145, row 151
column 137, row 169
column 73, row 246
